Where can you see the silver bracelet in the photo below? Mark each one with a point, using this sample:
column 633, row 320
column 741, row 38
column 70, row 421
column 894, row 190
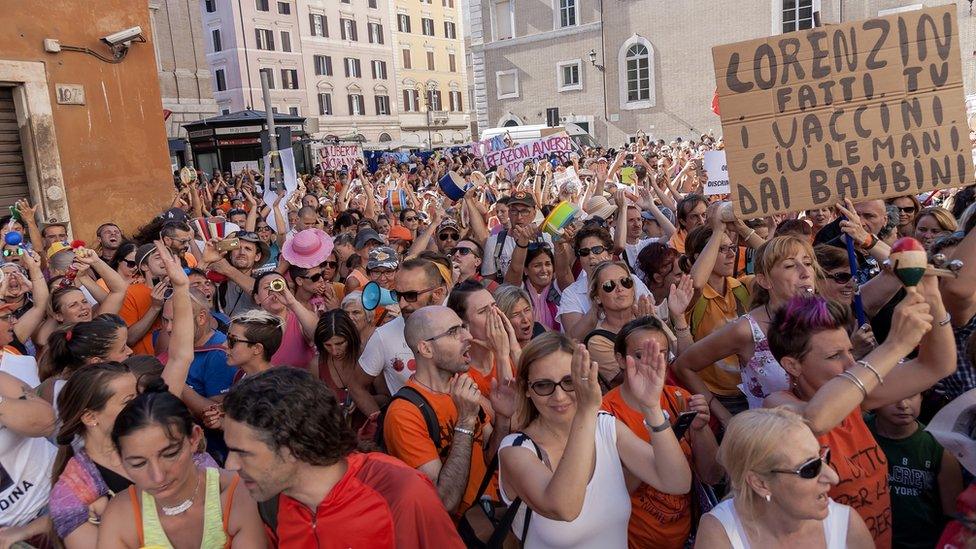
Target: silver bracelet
column 867, row 365
column 857, row 382
column 946, row 320
column 464, row 431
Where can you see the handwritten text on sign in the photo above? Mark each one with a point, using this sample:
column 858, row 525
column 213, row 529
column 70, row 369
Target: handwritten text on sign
column 869, row 109
column 513, row 157
column 334, row 157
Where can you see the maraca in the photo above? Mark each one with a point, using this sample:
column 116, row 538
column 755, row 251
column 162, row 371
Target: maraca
column 13, row 238
column 909, row 261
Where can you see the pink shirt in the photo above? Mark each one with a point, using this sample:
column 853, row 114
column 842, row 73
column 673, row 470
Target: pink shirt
column 295, row 350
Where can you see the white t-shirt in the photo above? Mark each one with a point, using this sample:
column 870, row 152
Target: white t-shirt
column 576, row 298
column 489, row 267
column 386, row 352
column 633, row 250
column 25, row 477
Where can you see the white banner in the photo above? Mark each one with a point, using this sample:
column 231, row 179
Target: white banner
column 290, row 178
column 718, row 173
column 335, row 157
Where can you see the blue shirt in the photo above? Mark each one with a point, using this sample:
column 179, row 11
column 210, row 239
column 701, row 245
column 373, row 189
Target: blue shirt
column 209, row 373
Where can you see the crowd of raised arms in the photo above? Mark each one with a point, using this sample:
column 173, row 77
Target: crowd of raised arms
column 365, row 362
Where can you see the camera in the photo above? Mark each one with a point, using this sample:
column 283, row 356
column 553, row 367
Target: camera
column 123, row 36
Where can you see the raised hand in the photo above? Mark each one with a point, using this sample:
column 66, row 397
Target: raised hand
column 466, row 396
column 586, row 382
column 646, row 375
column 910, row 321
column 680, row 296
column 502, row 398
column 852, row 226
column 174, row 269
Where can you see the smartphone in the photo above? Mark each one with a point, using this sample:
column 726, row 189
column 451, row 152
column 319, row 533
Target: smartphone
column 684, row 422
column 228, row 244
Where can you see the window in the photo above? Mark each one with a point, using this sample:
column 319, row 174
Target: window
column 261, row 5
column 289, row 79
column 353, row 69
column 797, row 15
column 503, row 19
column 371, row 3
column 450, row 30
column 224, row 111
column 411, row 101
column 430, row 60
column 221, row 80
column 265, row 39
column 403, row 22
column 636, row 73
column 406, row 58
column 348, row 29
column 293, row 111
column 379, row 70
column 323, row 65
column 375, row 33
column 568, row 75
column 285, row 41
column 452, row 62
column 325, row 104
column 284, row 8
column 455, row 100
column 447, row 3
column 507, row 84
column 567, row 13
column 382, row 104
column 270, row 73
column 434, row 100
column 210, row 5
column 274, row 110
column 215, row 35
column 427, row 26
column 318, row 24
column 357, row 104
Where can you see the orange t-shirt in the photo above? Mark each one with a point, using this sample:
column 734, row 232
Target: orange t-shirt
column 657, row 519
column 406, row 437
column 863, row 470
column 678, row 240
column 138, row 300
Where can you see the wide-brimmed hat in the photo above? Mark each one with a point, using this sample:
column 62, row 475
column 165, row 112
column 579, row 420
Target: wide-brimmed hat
column 308, row 248
column 383, row 257
column 253, row 238
column 599, row 206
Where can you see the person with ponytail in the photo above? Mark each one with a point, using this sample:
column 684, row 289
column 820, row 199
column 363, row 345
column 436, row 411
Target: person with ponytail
column 173, row 501
column 73, row 346
column 338, row 344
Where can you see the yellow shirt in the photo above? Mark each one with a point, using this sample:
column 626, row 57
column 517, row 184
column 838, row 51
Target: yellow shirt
column 722, row 377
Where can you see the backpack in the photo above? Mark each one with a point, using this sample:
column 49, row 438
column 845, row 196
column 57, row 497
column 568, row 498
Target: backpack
column 414, row 397
column 499, row 276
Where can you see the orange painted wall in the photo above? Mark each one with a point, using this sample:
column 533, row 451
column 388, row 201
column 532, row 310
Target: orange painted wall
column 114, row 152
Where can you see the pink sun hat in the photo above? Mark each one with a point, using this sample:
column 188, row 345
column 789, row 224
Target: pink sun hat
column 308, row 248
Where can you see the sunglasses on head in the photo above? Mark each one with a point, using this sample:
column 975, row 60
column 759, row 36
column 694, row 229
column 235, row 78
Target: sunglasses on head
column 462, row 251
column 546, row 387
column 809, row 469
column 448, row 236
column 842, row 277
column 611, row 285
column 596, row 250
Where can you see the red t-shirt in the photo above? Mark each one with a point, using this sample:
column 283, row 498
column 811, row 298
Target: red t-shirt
column 378, row 503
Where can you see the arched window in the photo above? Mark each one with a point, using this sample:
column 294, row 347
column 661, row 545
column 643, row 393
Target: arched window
column 510, row 123
column 636, row 68
column 385, row 137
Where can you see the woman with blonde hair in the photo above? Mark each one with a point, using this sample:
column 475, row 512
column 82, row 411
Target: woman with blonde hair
column 908, row 208
column 931, row 222
column 785, row 266
column 780, row 478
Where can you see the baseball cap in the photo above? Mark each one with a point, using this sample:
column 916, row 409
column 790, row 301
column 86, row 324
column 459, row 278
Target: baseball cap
column 447, row 224
column 522, row 197
column 174, row 214
column 142, row 252
column 399, row 232
column 383, row 257
column 365, row 235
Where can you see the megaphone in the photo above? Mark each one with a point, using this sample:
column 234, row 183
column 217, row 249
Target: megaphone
column 374, row 295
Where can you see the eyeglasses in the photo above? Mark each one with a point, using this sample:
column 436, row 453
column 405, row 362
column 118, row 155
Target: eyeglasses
column 727, row 250
column 453, row 331
column 410, row 296
column 596, row 250
column 17, row 251
column 625, row 282
column 809, row 469
column 907, row 209
column 461, row 251
column 448, row 236
column 330, row 264
column 130, row 263
column 314, row 278
column 842, row 277
column 264, row 228
column 234, row 340
column 546, row 387
column 409, row 219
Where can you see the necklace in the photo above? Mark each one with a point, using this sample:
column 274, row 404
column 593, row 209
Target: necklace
column 181, row 508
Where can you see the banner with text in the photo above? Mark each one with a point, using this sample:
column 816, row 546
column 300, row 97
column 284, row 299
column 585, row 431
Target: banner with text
column 335, row 157
column 868, row 109
column 512, row 158
column 718, row 173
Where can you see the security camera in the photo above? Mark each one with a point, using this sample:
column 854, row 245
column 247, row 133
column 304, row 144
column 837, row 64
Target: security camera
column 123, row 37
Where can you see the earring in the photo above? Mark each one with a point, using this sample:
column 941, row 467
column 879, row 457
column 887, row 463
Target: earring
column 768, row 497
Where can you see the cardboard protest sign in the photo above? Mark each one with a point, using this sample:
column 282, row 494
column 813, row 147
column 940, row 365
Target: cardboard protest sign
column 868, row 109
column 336, row 157
column 718, row 173
column 512, row 158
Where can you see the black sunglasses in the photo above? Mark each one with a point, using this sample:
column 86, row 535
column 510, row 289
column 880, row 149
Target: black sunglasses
column 410, row 296
column 907, row 209
column 842, row 277
column 546, row 387
column 330, row 264
column 809, row 469
column 406, row 219
column 130, row 263
column 583, row 252
column 231, row 341
column 314, row 278
column 448, row 236
column 461, row 250
column 610, row 285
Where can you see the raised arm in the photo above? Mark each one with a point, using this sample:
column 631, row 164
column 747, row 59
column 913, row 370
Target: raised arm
column 22, row 411
column 960, row 292
column 705, row 263
column 28, row 323
column 180, row 349
column 117, row 285
column 306, row 318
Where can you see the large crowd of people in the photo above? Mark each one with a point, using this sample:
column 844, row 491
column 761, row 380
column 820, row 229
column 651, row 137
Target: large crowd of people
column 366, row 362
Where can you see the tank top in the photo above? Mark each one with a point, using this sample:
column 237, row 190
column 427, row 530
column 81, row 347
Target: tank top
column 762, row 375
column 602, row 523
column 835, row 525
column 150, row 529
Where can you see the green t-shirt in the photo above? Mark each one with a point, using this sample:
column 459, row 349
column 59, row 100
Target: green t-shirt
column 913, row 471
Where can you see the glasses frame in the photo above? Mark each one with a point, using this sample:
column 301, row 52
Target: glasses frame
column 232, row 341
column 813, row 464
column 562, row 383
column 403, row 295
column 453, row 331
column 626, row 282
column 585, row 252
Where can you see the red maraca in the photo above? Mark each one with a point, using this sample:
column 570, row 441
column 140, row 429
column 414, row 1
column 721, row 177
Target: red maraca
column 909, row 261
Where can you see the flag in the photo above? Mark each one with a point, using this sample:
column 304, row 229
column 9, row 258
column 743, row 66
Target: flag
column 715, row 103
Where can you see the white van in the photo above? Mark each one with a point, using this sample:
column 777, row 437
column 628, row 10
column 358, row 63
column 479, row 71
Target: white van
column 521, row 134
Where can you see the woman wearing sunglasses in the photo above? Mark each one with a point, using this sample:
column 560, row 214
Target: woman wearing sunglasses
column 566, row 461
column 785, row 267
column 831, row 389
column 781, row 478
column 612, row 290
column 908, row 207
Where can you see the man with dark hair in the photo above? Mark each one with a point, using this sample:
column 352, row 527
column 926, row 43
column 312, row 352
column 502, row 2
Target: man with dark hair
column 178, row 236
column 691, row 213
column 500, row 247
column 54, row 232
column 287, row 437
column 109, row 239
column 239, row 267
